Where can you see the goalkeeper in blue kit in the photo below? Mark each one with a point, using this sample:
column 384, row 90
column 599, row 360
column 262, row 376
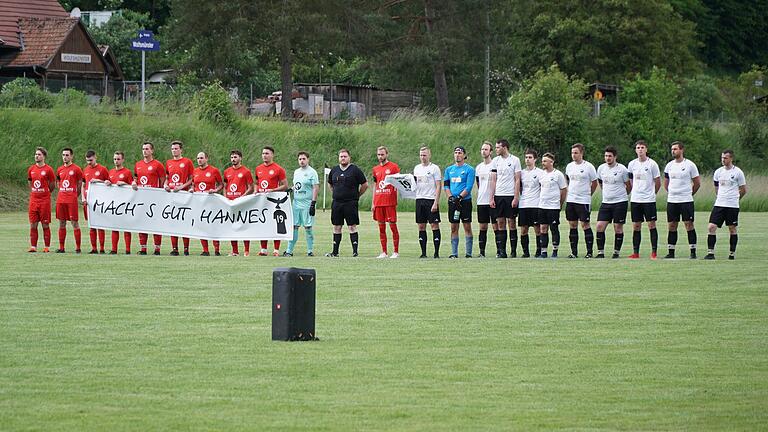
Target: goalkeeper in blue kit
column 458, row 182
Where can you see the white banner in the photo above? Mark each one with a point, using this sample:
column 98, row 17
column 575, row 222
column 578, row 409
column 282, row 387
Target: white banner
column 188, row 214
column 404, row 183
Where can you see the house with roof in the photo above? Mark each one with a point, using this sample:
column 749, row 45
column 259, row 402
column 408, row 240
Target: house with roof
column 40, row 40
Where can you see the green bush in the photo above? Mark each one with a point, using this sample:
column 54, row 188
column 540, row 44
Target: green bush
column 212, row 103
column 25, row 93
column 70, row 97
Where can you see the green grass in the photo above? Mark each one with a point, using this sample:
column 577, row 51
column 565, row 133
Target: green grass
column 165, row 343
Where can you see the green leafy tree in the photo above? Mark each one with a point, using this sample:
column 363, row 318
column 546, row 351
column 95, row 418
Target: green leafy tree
column 117, row 33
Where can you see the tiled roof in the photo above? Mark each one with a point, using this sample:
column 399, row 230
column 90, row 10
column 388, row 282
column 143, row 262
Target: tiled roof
column 12, row 10
column 42, row 37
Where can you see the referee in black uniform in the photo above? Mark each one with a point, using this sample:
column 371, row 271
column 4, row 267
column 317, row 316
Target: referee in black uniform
column 347, row 183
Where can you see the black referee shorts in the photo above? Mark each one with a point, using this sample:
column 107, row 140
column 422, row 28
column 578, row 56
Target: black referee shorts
column 344, row 211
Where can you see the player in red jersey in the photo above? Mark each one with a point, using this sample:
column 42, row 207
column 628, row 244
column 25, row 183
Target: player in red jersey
column 69, row 182
column 149, row 172
column 384, row 206
column 238, row 181
column 93, row 172
column 179, row 177
column 207, row 179
column 120, row 176
column 270, row 177
column 41, row 179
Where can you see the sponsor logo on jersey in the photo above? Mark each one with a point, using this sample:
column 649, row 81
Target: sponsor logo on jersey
column 143, row 180
column 36, row 184
column 201, row 186
column 65, row 184
column 264, row 184
column 232, row 187
column 297, row 186
column 175, row 178
column 382, row 185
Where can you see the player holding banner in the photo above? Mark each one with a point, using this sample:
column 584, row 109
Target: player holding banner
column 207, row 179
column 270, row 177
column 120, row 176
column 93, row 172
column 149, row 172
column 306, row 185
column 238, row 181
column 384, row 205
column 41, row 181
column 179, row 178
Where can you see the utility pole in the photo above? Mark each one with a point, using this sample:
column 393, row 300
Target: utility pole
column 487, row 95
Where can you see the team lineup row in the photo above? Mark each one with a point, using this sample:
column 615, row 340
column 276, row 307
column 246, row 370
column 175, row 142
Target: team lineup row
column 509, row 194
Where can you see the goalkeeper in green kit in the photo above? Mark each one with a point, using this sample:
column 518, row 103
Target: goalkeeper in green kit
column 306, row 185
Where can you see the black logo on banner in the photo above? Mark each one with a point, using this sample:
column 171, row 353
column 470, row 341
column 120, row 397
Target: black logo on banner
column 279, row 215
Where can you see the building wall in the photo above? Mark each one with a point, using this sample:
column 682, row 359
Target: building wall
column 77, row 43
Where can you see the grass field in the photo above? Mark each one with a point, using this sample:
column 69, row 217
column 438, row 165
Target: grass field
column 166, row 343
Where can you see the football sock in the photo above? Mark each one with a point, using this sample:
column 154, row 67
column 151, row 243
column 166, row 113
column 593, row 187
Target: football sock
column 555, row 237
column 436, row 240
column 502, row 241
column 78, row 238
column 423, row 242
column 544, row 241
column 636, row 238
column 264, row 244
column 216, row 245
column 672, row 239
column 513, row 241
column 276, row 244
column 353, row 239
column 589, row 238
column 143, row 241
column 157, row 239
column 538, row 243
column 711, row 241
column 336, row 242
column 174, row 243
column 292, row 243
column 734, row 241
column 524, row 244
column 600, row 241
column 454, row 245
column 92, row 236
column 497, row 239
column 186, row 243
column 395, row 237
column 692, row 240
column 204, row 243
column 235, row 249
column 654, row 239
column 115, row 240
column 383, row 237
column 310, row 239
column 33, row 236
column 468, row 244
column 573, row 238
column 618, row 240
column 47, row 236
column 127, row 237
column 62, row 237
column 246, row 246
column 483, row 238
column 102, row 239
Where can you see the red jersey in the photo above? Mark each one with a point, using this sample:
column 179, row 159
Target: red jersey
column 206, row 178
column 268, row 176
column 40, row 178
column 237, row 181
column 148, row 174
column 179, row 171
column 99, row 172
column 69, row 178
column 384, row 195
column 120, row 175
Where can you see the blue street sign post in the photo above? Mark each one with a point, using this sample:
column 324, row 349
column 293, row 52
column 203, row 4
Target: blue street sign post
column 145, row 42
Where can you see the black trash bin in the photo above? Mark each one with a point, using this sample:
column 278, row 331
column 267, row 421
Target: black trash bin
column 293, row 304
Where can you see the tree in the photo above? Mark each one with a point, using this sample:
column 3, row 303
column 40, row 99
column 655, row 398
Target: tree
column 117, row 33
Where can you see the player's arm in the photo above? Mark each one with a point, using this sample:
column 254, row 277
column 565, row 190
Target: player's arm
column 468, row 182
column 219, row 186
column 447, row 183
column 438, row 191
column 282, row 185
column 593, row 187
column 492, row 187
column 742, row 191
column 518, row 182
column 186, row 185
column 563, row 195
column 696, row 185
column 628, row 185
column 363, row 188
column 657, row 183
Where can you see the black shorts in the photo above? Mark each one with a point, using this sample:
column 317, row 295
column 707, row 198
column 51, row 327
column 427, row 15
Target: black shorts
column 529, row 216
column 613, row 213
column 424, row 212
column 465, row 212
column 485, row 214
column 677, row 210
column 344, row 211
column 504, row 207
column 575, row 211
column 549, row 216
column 729, row 215
column 643, row 212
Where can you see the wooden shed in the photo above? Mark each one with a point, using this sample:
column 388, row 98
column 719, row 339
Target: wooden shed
column 380, row 103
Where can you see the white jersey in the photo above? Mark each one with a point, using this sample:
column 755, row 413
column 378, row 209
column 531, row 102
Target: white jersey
column 551, row 185
column 531, row 188
column 680, row 177
column 505, row 169
column 483, row 174
column 728, row 182
column 580, row 178
column 404, row 183
column 425, row 180
column 643, row 175
column 613, row 181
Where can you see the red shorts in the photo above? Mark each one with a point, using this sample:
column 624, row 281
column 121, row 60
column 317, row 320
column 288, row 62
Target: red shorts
column 385, row 214
column 40, row 211
column 67, row 211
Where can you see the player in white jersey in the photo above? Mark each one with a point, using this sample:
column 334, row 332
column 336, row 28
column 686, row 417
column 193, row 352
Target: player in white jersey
column 429, row 180
column 582, row 182
column 645, row 177
column 682, row 181
column 529, row 201
column 484, row 211
column 614, row 181
column 731, row 186
column 505, row 196
column 554, row 190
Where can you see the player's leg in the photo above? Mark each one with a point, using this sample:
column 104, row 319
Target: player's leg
column 93, row 234
column 115, row 242
column 33, row 214
column 263, row 250
column 383, row 239
column 544, row 239
column 337, row 220
column 537, row 231
column 297, row 222
column 637, row 216
column 143, row 237
column 619, row 219
column 673, row 218
column 512, row 226
column 501, row 237
column 524, row 243
column 734, row 236
column 127, row 237
column 352, row 216
column 235, row 250
column 206, row 251
column 185, row 241
column 716, row 219
column 45, row 221
column 688, row 219
column 102, row 239
column 61, row 212
column 392, row 219
column 216, row 247
column 573, row 228
column 436, row 235
column 157, row 240
column 75, row 226
column 247, row 247
column 468, row 237
column 174, row 246
column 454, row 239
column 604, row 217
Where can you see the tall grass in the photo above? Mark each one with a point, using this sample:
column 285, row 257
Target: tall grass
column 22, row 130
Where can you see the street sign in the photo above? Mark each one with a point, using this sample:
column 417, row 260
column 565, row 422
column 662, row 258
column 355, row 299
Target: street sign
column 144, row 43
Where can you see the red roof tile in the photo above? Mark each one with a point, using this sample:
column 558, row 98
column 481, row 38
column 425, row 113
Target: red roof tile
column 12, row 10
column 42, row 38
